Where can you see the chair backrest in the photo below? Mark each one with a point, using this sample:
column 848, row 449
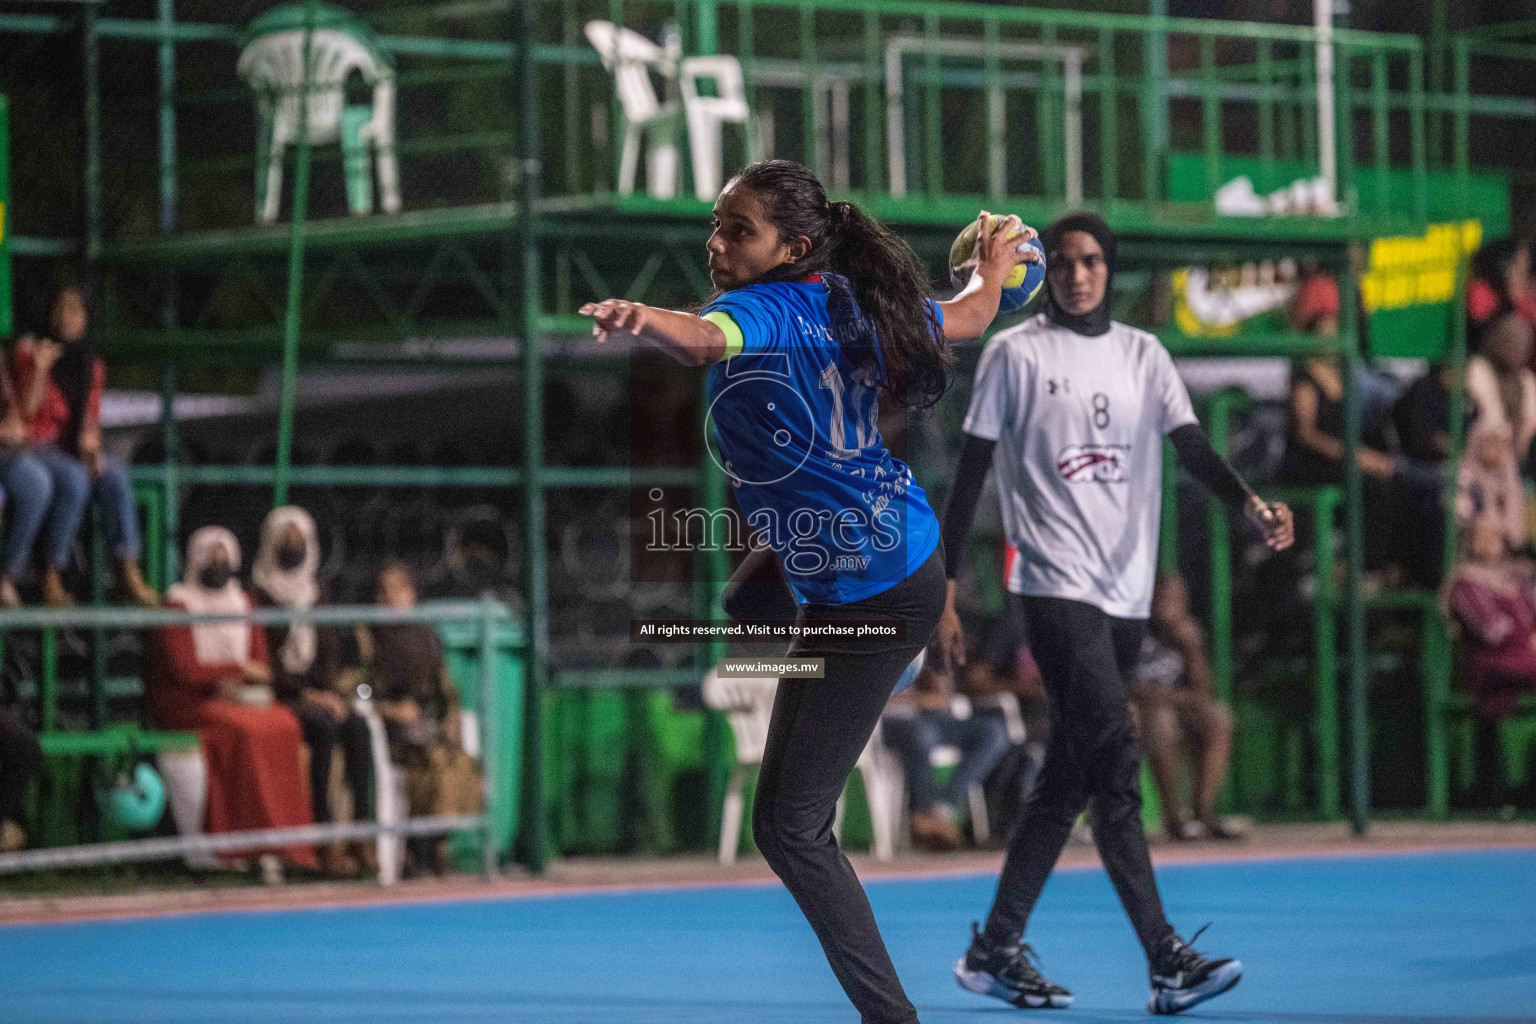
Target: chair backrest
column 273, row 66
column 724, row 70
column 630, row 57
column 748, row 707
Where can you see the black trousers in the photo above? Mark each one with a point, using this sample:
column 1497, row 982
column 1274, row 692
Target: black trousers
column 20, row 759
column 818, row 730
column 323, row 734
column 1091, row 760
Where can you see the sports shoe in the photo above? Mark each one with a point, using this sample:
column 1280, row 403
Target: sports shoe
column 1182, row 978
column 1008, row 973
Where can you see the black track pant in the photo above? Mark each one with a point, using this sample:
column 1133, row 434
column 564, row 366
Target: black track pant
column 1091, row 760
column 819, row 728
column 323, row 734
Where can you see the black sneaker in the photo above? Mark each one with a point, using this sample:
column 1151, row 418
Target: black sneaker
column 1007, row 973
column 1182, row 978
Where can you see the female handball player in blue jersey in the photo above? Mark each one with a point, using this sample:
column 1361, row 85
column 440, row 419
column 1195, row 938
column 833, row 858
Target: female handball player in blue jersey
column 819, row 312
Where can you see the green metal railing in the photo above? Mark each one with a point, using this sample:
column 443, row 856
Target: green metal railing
column 890, row 101
column 485, row 615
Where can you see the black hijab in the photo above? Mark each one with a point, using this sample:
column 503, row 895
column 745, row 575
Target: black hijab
column 1095, row 321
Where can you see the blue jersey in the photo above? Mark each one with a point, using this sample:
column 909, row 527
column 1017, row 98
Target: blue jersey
column 795, row 417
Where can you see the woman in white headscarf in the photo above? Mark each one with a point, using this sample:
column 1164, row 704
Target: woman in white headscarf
column 213, row 678
column 306, row 674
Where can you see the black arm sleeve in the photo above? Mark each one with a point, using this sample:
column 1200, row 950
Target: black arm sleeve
column 1210, row 469
column 970, row 475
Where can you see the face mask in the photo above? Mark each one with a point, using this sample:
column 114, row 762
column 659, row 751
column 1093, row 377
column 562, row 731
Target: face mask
column 214, row 576
column 290, row 556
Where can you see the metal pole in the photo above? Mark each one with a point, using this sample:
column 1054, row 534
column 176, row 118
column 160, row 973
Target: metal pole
column 1437, row 32
column 1354, row 608
column 170, row 489
column 295, row 273
column 91, row 61
column 490, row 748
column 707, row 30
column 1327, row 154
column 537, row 564
column 1219, row 526
column 1157, row 59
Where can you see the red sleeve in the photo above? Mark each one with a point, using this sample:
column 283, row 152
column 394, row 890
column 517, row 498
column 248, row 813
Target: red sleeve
column 22, row 363
column 98, row 384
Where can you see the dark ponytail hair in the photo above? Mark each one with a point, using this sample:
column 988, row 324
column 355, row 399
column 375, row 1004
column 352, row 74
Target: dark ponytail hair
column 877, row 289
column 75, row 370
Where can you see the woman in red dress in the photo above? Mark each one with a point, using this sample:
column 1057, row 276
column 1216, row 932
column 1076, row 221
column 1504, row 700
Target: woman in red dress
column 213, row 678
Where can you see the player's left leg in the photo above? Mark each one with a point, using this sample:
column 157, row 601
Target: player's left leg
column 1180, row 977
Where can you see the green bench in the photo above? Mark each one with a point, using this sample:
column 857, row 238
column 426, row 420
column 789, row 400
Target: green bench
column 113, row 741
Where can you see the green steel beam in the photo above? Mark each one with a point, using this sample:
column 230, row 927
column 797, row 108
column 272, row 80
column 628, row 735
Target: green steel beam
column 295, row 272
column 148, row 30
column 90, row 64
column 593, row 216
column 1354, row 532
column 536, row 573
column 170, row 519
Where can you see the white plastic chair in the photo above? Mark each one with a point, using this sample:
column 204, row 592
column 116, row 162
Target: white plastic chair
column 706, row 114
column 186, row 786
column 631, row 58
column 748, row 707
column 391, row 799
column 272, row 64
column 883, row 791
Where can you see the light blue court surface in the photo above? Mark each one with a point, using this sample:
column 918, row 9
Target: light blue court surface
column 1449, row 937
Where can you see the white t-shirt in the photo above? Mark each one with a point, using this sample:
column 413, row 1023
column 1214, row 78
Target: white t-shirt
column 1079, row 423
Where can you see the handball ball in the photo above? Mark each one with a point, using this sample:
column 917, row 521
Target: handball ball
column 1022, row 285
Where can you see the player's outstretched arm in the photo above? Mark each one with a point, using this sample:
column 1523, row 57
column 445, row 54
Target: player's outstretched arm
column 1273, row 518
column 690, row 340
column 970, row 313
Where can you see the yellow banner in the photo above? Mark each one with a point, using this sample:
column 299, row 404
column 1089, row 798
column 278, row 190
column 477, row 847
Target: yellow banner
column 1418, row 271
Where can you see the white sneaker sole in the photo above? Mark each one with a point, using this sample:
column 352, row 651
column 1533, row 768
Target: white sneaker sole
column 1221, row 980
column 984, row 984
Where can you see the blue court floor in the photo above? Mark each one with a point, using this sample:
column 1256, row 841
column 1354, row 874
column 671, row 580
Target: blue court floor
column 1445, row 937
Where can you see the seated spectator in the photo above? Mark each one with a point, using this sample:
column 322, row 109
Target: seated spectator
column 1174, row 706
column 21, row 758
column 306, row 674
column 213, row 678
column 413, row 693
column 1488, row 485
column 1422, row 416
column 25, row 492
column 58, row 382
column 1501, row 283
column 1500, row 382
column 1314, row 444
column 1490, row 601
column 917, row 720
column 1422, row 419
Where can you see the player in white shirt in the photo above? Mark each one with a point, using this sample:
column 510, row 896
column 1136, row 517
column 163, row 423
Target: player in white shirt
column 1071, row 409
